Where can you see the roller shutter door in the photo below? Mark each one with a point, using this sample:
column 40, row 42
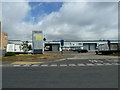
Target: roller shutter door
column 86, row 46
column 55, row 47
column 92, row 46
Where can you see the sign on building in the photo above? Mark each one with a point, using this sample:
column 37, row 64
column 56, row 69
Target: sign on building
column 10, row 48
column 37, row 39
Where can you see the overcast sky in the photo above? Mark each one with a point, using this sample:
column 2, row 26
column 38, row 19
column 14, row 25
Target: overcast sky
column 59, row 20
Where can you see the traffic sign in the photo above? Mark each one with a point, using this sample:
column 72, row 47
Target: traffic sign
column 62, row 42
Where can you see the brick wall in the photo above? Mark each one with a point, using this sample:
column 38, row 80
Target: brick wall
column 3, row 39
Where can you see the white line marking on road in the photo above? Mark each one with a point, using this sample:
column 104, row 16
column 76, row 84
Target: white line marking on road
column 116, row 60
column 17, row 65
column 114, row 63
column 91, row 61
column 90, row 64
column 53, row 65
column 44, row 65
column 63, row 65
column 100, row 61
column 72, row 65
column 99, row 64
column 35, row 65
column 26, row 65
column 1, row 65
column 81, row 64
column 107, row 64
column 95, row 61
column 60, row 60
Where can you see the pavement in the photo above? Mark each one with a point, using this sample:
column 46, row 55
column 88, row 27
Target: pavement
column 70, row 59
column 60, row 77
column 83, row 70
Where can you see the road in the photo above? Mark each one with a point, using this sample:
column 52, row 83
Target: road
column 72, row 73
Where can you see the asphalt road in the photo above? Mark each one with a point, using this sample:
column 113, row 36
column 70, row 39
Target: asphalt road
column 61, row 77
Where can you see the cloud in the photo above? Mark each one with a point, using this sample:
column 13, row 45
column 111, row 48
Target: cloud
column 73, row 21
column 0, row 11
column 82, row 21
column 12, row 15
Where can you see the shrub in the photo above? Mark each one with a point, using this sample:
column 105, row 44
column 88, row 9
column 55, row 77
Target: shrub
column 10, row 54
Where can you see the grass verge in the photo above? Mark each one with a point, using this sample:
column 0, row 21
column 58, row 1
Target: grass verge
column 25, row 57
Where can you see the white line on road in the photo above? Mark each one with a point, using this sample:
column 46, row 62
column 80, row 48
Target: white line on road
column 35, row 65
column 26, row 65
column 107, row 64
column 1, row 65
column 53, row 65
column 44, row 65
column 99, row 64
column 81, row 64
column 114, row 63
column 63, row 65
column 16, row 65
column 95, row 61
column 115, row 60
column 72, row 65
column 100, row 61
column 61, row 60
column 90, row 64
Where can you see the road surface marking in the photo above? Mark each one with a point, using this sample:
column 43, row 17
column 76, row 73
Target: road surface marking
column 17, row 65
column 53, row 65
column 107, row 64
column 63, row 65
column 61, row 60
column 81, row 64
column 72, row 65
column 1, row 65
column 44, row 65
column 35, row 65
column 26, row 62
column 92, row 60
column 115, row 60
column 100, row 61
column 90, row 64
column 99, row 64
column 95, row 61
column 26, row 65
column 114, row 63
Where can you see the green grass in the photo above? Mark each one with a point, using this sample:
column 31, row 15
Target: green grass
column 24, row 57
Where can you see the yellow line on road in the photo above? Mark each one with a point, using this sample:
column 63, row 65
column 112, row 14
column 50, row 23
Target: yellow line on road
column 26, row 62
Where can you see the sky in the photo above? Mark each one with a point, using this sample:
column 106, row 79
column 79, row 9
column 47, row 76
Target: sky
column 61, row 20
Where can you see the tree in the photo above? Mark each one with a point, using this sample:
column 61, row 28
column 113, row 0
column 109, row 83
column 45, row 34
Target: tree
column 26, row 47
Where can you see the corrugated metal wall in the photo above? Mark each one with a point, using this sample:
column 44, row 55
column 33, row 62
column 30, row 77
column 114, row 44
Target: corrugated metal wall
column 89, row 46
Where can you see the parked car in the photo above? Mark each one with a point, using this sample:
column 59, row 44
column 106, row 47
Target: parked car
column 82, row 51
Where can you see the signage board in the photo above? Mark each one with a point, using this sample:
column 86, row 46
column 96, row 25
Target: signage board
column 62, row 42
column 10, row 48
column 37, row 39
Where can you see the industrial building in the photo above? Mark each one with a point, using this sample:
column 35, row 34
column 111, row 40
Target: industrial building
column 90, row 45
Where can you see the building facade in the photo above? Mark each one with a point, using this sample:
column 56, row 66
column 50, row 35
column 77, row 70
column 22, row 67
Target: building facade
column 3, row 39
column 90, row 45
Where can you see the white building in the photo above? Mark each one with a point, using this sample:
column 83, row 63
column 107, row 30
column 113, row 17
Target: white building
column 15, row 46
